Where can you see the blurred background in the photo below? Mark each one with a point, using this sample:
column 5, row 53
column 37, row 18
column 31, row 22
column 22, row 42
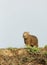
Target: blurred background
column 18, row 16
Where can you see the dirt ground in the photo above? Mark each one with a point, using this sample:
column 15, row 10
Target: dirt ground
column 22, row 57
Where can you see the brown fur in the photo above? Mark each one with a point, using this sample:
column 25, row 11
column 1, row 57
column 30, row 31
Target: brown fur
column 30, row 39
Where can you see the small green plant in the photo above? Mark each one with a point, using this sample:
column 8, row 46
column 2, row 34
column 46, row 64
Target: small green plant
column 11, row 48
column 45, row 46
column 33, row 49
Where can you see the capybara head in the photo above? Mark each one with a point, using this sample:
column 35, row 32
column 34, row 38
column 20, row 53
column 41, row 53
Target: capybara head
column 25, row 35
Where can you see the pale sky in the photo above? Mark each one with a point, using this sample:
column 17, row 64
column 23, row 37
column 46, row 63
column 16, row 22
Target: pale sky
column 18, row 16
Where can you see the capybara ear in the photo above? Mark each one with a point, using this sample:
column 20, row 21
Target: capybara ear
column 25, row 33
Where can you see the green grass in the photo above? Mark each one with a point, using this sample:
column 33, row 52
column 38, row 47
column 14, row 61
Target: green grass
column 45, row 46
column 33, row 49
